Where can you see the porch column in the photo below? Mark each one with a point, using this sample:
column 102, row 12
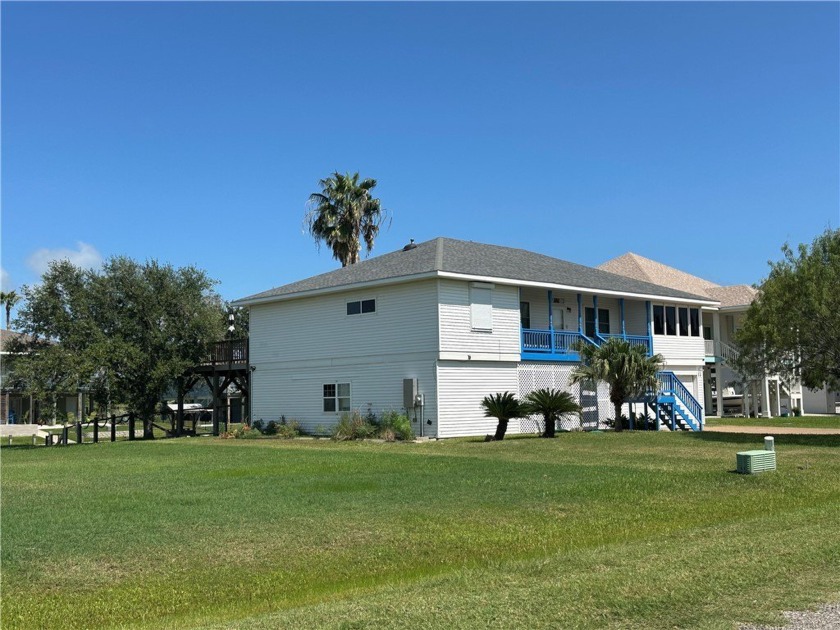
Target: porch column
column 754, row 392
column 778, row 398
column 551, row 320
column 580, row 314
column 595, row 308
column 765, row 397
column 621, row 309
column 707, row 390
column 719, row 366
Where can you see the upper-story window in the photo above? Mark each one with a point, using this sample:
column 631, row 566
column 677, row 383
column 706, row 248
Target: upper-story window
column 603, row 321
column 673, row 321
column 525, row 314
column 360, row 307
column 481, row 306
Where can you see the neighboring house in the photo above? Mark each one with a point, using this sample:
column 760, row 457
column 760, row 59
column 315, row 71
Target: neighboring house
column 724, row 388
column 437, row 326
column 18, row 406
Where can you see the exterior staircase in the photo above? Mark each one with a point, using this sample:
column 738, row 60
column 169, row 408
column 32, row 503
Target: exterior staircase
column 674, row 406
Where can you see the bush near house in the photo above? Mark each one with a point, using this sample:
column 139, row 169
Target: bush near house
column 391, row 426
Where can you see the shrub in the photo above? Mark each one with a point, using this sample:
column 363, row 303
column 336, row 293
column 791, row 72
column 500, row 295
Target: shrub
column 395, row 426
column 242, row 433
column 270, row 428
column 353, row 427
column 257, row 425
column 288, row 430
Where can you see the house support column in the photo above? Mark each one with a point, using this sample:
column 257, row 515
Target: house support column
column 778, row 398
column 597, row 331
column 765, row 397
column 580, row 314
column 719, row 366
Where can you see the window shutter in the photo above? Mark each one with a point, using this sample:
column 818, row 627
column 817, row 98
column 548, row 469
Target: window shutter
column 481, row 307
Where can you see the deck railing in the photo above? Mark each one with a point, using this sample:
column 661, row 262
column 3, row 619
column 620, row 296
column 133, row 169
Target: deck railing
column 565, row 342
column 230, row 351
column 550, row 341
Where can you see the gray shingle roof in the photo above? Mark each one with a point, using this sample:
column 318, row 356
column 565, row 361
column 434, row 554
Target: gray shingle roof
column 475, row 259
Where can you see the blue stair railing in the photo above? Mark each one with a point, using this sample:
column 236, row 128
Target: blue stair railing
column 670, row 384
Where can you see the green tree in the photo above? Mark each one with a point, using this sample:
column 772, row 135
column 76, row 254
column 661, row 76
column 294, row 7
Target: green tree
column 794, row 323
column 552, row 405
column 127, row 331
column 345, row 214
column 9, row 299
column 626, row 369
column 504, row 407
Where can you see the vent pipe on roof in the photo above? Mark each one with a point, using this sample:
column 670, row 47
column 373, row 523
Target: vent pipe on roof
column 410, row 246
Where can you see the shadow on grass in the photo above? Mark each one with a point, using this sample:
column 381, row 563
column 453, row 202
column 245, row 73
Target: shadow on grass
column 756, row 438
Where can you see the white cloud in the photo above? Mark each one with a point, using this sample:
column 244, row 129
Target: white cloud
column 5, row 280
column 86, row 257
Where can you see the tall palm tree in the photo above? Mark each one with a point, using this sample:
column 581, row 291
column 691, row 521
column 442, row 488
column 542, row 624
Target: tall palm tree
column 553, row 405
column 344, row 214
column 503, row 407
column 9, row 299
column 626, row 369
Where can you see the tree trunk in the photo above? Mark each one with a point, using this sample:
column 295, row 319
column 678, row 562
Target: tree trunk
column 501, row 429
column 619, row 426
column 550, row 423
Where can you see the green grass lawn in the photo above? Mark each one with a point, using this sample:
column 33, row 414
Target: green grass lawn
column 632, row 530
column 809, row 422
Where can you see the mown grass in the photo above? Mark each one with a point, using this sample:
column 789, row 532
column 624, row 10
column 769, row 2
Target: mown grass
column 637, row 530
column 803, row 422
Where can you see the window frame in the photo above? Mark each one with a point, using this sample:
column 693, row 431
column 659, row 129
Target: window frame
column 524, row 315
column 670, row 321
column 481, row 307
column 357, row 307
column 658, row 323
column 682, row 321
column 335, row 398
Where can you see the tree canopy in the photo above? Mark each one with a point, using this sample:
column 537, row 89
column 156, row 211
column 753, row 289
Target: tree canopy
column 9, row 299
column 125, row 332
column 345, row 214
column 794, row 323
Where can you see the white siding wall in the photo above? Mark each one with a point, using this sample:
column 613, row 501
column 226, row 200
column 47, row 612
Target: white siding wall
column 458, row 339
column 319, row 327
column 635, row 317
column 298, row 346
column 297, row 393
column 461, row 387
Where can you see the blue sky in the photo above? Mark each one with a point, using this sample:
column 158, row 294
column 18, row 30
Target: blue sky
column 701, row 135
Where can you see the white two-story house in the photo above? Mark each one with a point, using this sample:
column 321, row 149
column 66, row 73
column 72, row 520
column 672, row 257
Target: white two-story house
column 433, row 328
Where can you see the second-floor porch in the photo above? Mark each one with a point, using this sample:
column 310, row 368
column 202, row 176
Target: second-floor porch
column 553, row 324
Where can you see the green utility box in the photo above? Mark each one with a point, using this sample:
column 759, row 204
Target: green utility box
column 751, row 462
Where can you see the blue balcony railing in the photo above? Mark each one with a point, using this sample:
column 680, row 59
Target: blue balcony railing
column 562, row 344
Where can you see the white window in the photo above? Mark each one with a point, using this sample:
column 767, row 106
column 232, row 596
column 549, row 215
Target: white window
column 481, row 306
column 336, row 397
column 360, row 307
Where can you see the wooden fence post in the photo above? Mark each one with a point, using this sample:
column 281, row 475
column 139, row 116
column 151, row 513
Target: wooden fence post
column 131, row 426
column 96, row 430
column 65, row 435
column 113, row 428
column 78, row 432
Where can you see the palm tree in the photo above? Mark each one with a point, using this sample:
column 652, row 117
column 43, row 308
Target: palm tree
column 344, row 214
column 9, row 298
column 626, row 369
column 503, row 407
column 553, row 405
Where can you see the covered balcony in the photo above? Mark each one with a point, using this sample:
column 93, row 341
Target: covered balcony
column 553, row 324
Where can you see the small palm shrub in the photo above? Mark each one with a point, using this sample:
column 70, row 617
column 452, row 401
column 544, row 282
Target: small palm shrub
column 552, row 405
column 504, row 407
